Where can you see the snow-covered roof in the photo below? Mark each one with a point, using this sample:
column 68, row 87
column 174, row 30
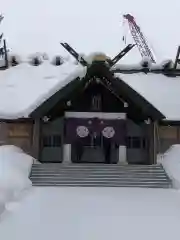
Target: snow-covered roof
column 25, row 87
column 161, row 91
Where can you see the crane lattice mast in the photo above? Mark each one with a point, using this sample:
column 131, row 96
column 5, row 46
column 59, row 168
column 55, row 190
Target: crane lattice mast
column 1, row 35
column 139, row 38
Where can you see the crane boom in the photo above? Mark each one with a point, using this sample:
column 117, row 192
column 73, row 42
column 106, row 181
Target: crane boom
column 1, row 18
column 139, row 38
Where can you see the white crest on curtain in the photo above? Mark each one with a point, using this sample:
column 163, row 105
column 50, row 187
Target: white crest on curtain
column 82, row 131
column 108, row 132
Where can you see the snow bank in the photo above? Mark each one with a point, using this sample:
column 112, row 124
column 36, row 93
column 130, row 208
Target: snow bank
column 171, row 163
column 15, row 167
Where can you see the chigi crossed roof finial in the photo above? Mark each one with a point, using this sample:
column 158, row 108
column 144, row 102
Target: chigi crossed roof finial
column 177, row 60
column 111, row 62
column 1, row 37
column 3, row 49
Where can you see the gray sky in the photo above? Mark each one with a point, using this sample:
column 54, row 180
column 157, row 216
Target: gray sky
column 96, row 25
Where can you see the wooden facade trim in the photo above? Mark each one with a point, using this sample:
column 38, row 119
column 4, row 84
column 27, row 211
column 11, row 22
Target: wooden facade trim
column 19, row 120
column 18, row 134
column 169, row 123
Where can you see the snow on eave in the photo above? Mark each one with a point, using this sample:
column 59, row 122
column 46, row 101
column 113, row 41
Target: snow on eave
column 30, row 86
column 126, row 67
column 163, row 92
column 41, row 56
column 77, row 74
column 164, row 65
column 171, row 120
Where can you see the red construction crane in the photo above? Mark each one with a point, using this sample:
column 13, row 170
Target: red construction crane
column 139, row 38
column 1, row 18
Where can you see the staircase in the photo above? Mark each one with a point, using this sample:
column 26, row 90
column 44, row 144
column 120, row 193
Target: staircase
column 99, row 175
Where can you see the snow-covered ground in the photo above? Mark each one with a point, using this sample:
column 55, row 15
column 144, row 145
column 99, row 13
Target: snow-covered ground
column 94, row 213
column 86, row 213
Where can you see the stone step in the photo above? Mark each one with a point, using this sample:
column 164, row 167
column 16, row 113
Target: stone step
column 82, row 175
column 103, row 181
column 103, row 184
column 92, row 166
column 96, row 169
column 97, row 175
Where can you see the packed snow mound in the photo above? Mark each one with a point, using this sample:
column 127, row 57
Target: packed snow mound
column 146, row 62
column 2, row 62
column 15, row 167
column 95, row 56
column 14, row 156
column 10, row 148
column 171, row 163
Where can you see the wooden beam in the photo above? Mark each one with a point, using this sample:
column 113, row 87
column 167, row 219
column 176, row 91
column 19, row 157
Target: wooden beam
column 79, row 58
column 177, row 58
column 121, row 54
column 155, row 142
column 6, row 54
column 36, row 139
column 152, row 135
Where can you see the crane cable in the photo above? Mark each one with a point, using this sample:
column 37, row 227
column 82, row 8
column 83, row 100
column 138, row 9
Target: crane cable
column 124, row 38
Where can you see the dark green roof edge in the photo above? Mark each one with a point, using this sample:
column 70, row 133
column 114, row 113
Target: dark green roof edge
column 99, row 70
column 54, row 99
column 139, row 100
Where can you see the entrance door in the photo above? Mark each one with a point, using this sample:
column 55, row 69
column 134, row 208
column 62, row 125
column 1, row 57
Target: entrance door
column 95, row 136
column 94, row 150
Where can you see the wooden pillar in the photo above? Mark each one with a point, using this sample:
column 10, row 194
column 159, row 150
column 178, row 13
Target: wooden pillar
column 67, row 153
column 36, row 139
column 153, row 143
column 122, row 155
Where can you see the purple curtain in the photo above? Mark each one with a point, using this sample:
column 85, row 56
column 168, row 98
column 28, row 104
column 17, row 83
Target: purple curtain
column 81, row 128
